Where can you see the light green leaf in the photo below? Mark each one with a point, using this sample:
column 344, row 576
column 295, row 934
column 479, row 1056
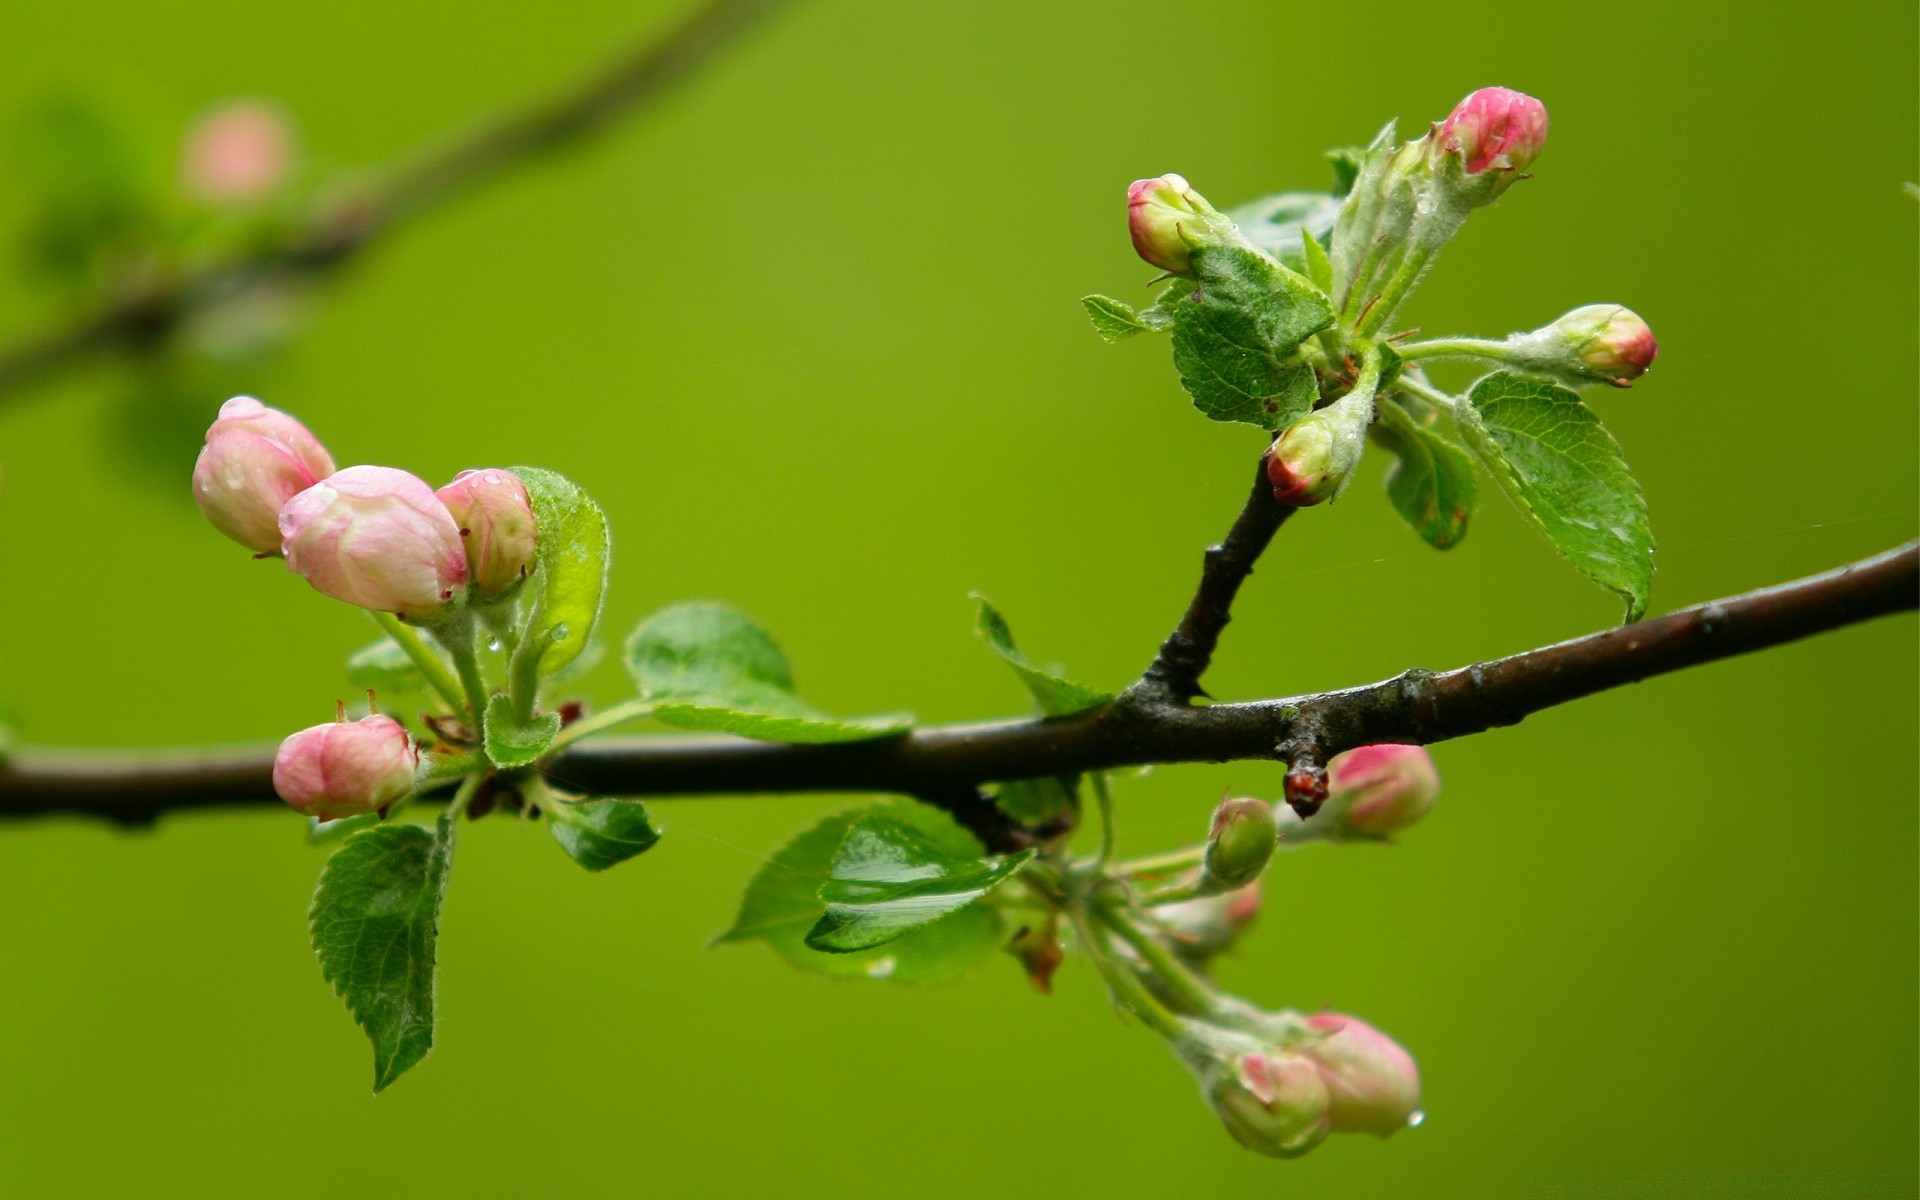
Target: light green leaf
column 509, row 744
column 889, row 880
column 1557, row 463
column 600, row 833
column 1314, row 261
column 570, row 567
column 1056, row 695
column 1111, row 318
column 375, row 921
column 709, row 666
column 1431, row 483
column 1033, row 801
column 1236, row 335
column 385, row 667
column 782, row 903
column 1276, row 223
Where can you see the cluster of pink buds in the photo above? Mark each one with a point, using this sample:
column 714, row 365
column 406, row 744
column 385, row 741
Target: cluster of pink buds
column 374, row 537
column 1281, row 1095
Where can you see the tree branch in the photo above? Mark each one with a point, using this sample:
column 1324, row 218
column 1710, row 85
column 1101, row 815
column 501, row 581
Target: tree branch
column 945, row 764
column 336, row 233
column 1184, row 657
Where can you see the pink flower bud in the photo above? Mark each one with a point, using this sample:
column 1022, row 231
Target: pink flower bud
column 495, row 518
column 256, row 459
column 1612, row 343
column 1272, row 1102
column 1166, row 216
column 378, row 538
column 1373, row 1084
column 1239, row 844
column 1380, row 790
column 1303, row 465
column 346, row 768
column 1495, row 127
column 237, row 154
column 1206, row 926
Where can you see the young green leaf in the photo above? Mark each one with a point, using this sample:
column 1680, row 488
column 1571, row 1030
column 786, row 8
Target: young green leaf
column 1111, row 318
column 709, row 666
column 1431, row 484
column 375, row 921
column 570, row 567
column 1235, row 338
column 889, row 880
column 1561, row 467
column 510, row 744
column 1032, row 801
column 385, row 667
column 1277, row 223
column 600, row 833
column 1314, row 261
column 1056, row 695
column 782, row 903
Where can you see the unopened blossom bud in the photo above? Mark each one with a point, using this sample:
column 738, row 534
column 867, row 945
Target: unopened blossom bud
column 1495, row 128
column 1208, row 925
column 238, row 154
column 1377, row 791
column 1373, row 1085
column 1239, row 843
column 378, row 538
column 495, row 520
column 256, row 459
column 1311, row 461
column 1167, row 218
column 1273, row 1102
column 346, row 768
column 1597, row 343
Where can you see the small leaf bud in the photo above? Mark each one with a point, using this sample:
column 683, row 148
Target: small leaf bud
column 1373, row 1085
column 1377, row 791
column 346, row 768
column 1239, row 844
column 1495, row 128
column 255, row 460
column 377, row 538
column 238, row 154
column 495, row 520
column 1167, row 218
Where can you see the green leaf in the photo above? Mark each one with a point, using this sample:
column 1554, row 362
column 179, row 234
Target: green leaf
column 1276, row 223
column 889, row 880
column 510, row 744
column 385, row 667
column 1235, row 337
column 709, row 666
column 1431, row 484
column 782, row 903
column 570, row 566
column 1557, row 462
column 1111, row 318
column 1056, row 695
column 1316, row 264
column 601, row 833
column 1033, row 801
column 374, row 921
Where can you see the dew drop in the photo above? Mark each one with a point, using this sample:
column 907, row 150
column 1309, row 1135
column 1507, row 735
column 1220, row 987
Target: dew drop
column 495, row 644
column 1415, row 1117
column 559, row 633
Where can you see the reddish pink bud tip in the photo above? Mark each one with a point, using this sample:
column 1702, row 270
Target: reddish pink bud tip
column 1164, row 215
column 1496, row 126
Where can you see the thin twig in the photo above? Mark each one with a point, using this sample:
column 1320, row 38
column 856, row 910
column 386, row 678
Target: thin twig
column 945, row 764
column 338, row 231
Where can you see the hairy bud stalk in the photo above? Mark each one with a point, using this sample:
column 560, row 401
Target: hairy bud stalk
column 255, row 460
column 346, row 768
column 377, row 538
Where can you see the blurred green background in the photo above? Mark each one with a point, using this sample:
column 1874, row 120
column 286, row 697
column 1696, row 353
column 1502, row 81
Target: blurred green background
column 809, row 334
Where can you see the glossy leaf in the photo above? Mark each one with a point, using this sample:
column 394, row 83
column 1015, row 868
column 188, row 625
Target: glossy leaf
column 601, row 833
column 782, row 903
column 1557, row 462
column 375, row 921
column 1112, row 319
column 1431, row 483
column 1056, row 695
column 1235, row 337
column 570, row 567
column 709, row 666
column 888, row 880
column 510, row 744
